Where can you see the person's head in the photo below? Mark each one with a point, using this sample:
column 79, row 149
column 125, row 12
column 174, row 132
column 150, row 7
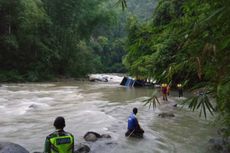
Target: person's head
column 59, row 122
column 135, row 110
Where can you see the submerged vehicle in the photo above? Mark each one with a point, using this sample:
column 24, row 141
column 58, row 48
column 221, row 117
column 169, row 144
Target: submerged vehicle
column 130, row 82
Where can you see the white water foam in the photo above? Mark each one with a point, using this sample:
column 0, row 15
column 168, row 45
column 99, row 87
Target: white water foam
column 111, row 78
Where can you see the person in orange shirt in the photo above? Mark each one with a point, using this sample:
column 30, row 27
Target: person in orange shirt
column 164, row 91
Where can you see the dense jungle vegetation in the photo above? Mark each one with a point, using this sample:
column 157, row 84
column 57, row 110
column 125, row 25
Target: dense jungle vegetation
column 44, row 39
column 188, row 42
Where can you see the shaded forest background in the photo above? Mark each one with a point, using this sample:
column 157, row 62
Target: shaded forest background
column 44, row 39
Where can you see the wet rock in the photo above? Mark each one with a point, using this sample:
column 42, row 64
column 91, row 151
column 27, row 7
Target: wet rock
column 82, row 148
column 105, row 136
column 94, row 133
column 219, row 145
column 133, row 134
column 93, row 136
column 90, row 137
column 165, row 114
column 215, row 145
column 8, row 147
column 175, row 105
column 33, row 106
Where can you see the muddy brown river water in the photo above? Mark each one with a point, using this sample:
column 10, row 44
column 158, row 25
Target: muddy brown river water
column 27, row 112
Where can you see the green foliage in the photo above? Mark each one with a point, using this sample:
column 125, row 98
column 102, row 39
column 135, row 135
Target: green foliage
column 83, row 66
column 123, row 3
column 202, row 102
column 7, row 76
column 109, row 53
column 141, row 9
column 223, row 99
column 153, row 100
column 41, row 39
column 186, row 41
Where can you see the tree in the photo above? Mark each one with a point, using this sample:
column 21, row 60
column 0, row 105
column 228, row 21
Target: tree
column 41, row 38
column 186, row 41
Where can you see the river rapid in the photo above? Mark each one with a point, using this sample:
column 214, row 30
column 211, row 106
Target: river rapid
column 28, row 110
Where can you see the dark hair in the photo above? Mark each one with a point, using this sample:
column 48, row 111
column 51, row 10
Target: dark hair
column 59, row 122
column 135, row 110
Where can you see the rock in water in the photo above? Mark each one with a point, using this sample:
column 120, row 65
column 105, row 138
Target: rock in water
column 106, row 136
column 164, row 114
column 175, row 105
column 90, row 137
column 33, row 106
column 134, row 135
column 8, row 147
column 219, row 145
column 93, row 136
column 81, row 148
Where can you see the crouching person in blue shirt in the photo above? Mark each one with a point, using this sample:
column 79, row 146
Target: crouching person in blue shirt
column 134, row 128
column 59, row 141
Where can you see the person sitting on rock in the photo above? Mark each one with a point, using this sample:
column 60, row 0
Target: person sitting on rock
column 59, row 141
column 134, row 128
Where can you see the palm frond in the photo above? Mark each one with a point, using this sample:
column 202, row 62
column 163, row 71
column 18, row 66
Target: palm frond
column 153, row 100
column 123, row 4
column 202, row 102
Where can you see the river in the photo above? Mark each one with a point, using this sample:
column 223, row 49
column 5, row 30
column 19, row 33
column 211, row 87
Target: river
column 27, row 112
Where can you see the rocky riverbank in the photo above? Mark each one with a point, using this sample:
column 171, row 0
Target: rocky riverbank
column 90, row 137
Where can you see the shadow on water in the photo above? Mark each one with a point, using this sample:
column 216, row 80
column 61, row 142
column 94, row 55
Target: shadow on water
column 28, row 110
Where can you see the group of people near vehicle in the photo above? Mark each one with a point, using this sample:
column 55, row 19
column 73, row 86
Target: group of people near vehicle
column 165, row 89
column 61, row 141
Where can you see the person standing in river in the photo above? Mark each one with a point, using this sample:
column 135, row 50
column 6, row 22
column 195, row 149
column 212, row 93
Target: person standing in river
column 164, row 91
column 134, row 129
column 180, row 90
column 59, row 141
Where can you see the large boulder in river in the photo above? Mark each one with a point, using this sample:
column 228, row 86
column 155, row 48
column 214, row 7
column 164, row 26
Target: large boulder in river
column 165, row 114
column 93, row 136
column 8, row 147
column 90, row 137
